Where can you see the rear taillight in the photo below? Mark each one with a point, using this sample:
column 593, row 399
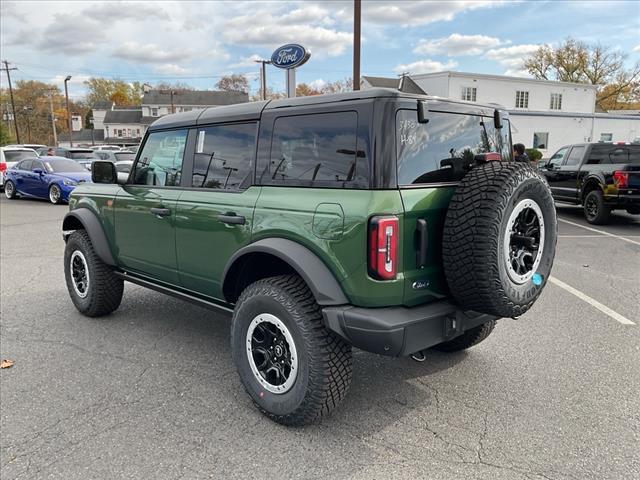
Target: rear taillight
column 3, row 167
column 621, row 179
column 383, row 247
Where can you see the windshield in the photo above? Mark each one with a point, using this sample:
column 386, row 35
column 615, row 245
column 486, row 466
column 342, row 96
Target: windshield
column 17, row 155
column 81, row 155
column 66, row 166
column 121, row 156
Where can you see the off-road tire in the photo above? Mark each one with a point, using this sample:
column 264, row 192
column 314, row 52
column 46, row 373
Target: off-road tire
column 324, row 360
column 468, row 339
column 10, row 192
column 475, row 228
column 104, row 291
column 595, row 198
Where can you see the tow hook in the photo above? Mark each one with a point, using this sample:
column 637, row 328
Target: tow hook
column 418, row 356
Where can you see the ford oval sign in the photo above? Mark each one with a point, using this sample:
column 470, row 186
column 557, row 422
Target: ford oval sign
column 291, row 55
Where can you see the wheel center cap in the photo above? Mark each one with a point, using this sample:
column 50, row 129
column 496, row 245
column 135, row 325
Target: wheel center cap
column 279, row 350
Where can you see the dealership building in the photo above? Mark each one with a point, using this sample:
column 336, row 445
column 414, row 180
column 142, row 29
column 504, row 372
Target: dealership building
column 544, row 114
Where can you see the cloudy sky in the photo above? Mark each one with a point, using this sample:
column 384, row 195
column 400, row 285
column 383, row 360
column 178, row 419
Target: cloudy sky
column 197, row 42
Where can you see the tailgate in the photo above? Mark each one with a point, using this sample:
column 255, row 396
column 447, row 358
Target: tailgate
column 424, row 209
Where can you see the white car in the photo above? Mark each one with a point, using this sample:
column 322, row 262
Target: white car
column 11, row 155
column 115, row 148
column 123, row 168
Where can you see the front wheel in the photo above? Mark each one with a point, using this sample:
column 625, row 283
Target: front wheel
column 595, row 211
column 55, row 194
column 93, row 286
column 9, row 190
column 292, row 367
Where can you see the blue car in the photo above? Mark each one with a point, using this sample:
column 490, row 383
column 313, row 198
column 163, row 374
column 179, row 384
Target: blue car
column 49, row 177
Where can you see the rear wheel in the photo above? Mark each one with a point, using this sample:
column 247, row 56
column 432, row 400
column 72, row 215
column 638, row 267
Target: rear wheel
column 595, row 211
column 292, row 367
column 9, row 190
column 55, row 194
column 94, row 288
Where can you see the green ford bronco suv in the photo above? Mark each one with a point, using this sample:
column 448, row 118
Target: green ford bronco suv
column 376, row 219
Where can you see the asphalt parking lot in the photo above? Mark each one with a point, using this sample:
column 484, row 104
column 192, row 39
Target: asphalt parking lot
column 150, row 392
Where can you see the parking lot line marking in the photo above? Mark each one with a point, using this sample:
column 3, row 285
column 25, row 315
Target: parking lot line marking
column 599, row 231
column 594, row 303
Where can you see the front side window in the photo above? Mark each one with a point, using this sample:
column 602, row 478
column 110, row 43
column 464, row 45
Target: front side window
column 556, row 101
column 540, row 140
column 522, row 99
column 224, row 156
column 444, row 149
column 317, row 150
column 558, row 157
column 160, row 162
column 575, row 157
column 469, row 94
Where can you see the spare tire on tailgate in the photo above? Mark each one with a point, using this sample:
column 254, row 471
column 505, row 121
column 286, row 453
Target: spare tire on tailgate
column 499, row 238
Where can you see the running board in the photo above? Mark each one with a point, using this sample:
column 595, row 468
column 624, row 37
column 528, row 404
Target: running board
column 128, row 277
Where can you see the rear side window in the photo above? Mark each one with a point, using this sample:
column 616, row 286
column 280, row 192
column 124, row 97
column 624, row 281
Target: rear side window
column 160, row 163
column 318, row 150
column 609, row 154
column 443, row 149
column 575, row 157
column 224, row 156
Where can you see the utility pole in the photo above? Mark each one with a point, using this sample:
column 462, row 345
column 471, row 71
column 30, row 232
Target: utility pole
column 53, row 119
column 66, row 94
column 263, row 77
column 356, row 43
column 13, row 105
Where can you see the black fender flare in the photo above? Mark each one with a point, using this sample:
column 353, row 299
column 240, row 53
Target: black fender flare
column 590, row 180
column 313, row 271
column 92, row 226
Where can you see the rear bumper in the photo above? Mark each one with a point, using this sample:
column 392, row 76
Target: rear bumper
column 399, row 331
column 623, row 200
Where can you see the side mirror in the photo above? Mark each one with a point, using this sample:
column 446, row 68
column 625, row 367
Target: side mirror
column 39, row 171
column 103, row 172
column 497, row 119
column 423, row 112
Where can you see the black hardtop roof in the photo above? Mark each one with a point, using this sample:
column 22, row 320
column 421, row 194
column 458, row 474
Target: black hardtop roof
column 252, row 110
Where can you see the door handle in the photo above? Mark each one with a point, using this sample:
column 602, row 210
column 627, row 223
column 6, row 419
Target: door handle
column 160, row 212
column 232, row 219
column 423, row 242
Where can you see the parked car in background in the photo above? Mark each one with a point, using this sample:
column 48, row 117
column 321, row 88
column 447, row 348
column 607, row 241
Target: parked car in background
column 132, row 149
column 81, row 154
column 52, row 178
column 113, row 148
column 33, row 146
column 599, row 176
column 9, row 156
column 58, row 151
column 114, row 157
column 123, row 168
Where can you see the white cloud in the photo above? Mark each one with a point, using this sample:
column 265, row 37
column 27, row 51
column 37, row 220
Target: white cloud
column 318, row 84
column 171, row 69
column 457, row 44
column 425, row 66
column 636, row 48
column 247, row 61
column 150, row 53
column 117, row 11
column 76, row 79
column 272, row 29
column 512, row 58
column 420, row 12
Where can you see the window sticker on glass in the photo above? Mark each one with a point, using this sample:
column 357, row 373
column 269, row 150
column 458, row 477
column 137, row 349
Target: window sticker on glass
column 200, row 146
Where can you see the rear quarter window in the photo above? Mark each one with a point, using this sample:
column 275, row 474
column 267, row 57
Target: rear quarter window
column 444, row 149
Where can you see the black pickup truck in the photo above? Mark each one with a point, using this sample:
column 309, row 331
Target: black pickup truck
column 599, row 176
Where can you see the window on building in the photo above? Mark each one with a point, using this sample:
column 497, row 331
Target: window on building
column 540, row 140
column 606, row 137
column 444, row 149
column 187, row 109
column 137, row 133
column 154, row 112
column 469, row 94
column 556, row 101
column 120, row 133
column 224, row 156
column 316, row 150
column 522, row 99
column 128, row 133
column 160, row 162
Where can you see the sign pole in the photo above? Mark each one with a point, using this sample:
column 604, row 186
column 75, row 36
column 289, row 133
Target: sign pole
column 291, row 82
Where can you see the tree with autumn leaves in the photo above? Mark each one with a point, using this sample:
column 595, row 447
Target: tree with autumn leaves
column 578, row 62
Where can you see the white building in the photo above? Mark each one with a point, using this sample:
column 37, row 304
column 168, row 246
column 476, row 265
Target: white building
column 544, row 114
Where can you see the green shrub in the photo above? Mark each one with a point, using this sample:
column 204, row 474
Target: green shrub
column 534, row 154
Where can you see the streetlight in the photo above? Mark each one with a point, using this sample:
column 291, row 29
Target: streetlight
column 263, row 77
column 66, row 94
